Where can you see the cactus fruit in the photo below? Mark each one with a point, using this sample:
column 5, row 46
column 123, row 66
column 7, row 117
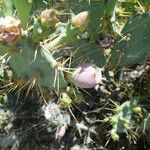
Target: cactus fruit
column 10, row 29
column 48, row 17
column 87, row 76
column 81, row 20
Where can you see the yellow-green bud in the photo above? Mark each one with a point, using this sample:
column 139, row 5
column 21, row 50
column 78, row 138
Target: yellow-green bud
column 117, row 110
column 114, row 135
column 137, row 110
column 65, row 100
column 127, row 121
column 106, row 119
column 113, row 120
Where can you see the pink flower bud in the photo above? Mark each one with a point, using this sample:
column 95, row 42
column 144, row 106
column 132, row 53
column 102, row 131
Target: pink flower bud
column 60, row 132
column 87, row 76
column 10, row 29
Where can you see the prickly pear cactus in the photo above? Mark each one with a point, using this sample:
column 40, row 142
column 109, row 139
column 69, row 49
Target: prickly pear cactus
column 81, row 54
column 130, row 118
column 26, row 60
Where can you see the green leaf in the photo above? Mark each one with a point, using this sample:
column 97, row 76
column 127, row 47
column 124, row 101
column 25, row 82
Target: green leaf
column 7, row 7
column 23, row 7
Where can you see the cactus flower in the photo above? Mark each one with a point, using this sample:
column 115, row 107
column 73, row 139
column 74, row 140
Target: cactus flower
column 48, row 17
column 10, row 29
column 81, row 20
column 87, row 76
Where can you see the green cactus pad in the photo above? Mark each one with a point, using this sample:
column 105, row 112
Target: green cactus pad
column 134, row 47
column 145, row 124
column 39, row 32
column 25, row 64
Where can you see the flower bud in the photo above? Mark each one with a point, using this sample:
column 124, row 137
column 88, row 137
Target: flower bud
column 137, row 110
column 126, row 121
column 87, row 76
column 10, row 29
column 60, row 132
column 48, row 18
column 114, row 135
column 81, row 20
column 65, row 100
column 117, row 110
column 113, row 120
